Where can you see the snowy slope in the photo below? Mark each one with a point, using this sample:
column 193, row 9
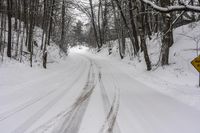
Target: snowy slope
column 54, row 55
column 179, row 79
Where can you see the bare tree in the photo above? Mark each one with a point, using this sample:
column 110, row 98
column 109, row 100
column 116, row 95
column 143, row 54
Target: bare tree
column 9, row 13
column 94, row 25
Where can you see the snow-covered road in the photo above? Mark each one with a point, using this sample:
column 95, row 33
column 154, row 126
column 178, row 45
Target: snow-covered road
column 88, row 94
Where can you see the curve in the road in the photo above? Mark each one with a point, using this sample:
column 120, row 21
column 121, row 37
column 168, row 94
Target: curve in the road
column 45, row 108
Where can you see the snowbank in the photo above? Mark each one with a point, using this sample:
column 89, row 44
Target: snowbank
column 53, row 51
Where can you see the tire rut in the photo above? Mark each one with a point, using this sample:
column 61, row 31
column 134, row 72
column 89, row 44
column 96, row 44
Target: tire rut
column 69, row 121
column 73, row 121
column 110, row 125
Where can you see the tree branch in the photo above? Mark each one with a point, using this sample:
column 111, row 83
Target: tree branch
column 171, row 8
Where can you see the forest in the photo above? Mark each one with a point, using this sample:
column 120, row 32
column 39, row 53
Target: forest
column 107, row 20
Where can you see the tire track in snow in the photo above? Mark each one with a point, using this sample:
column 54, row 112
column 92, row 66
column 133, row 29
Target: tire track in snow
column 7, row 114
column 69, row 121
column 73, row 121
column 110, row 125
column 29, row 122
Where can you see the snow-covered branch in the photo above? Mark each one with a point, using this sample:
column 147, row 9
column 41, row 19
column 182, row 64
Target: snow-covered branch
column 172, row 8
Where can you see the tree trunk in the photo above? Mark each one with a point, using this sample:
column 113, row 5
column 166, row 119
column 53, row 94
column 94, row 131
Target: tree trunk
column 127, row 27
column 133, row 27
column 51, row 20
column 118, row 28
column 63, row 32
column 167, row 34
column 143, row 40
column 94, row 26
column 9, row 3
column 99, row 22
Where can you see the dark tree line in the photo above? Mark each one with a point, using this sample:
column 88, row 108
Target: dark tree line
column 19, row 20
column 109, row 20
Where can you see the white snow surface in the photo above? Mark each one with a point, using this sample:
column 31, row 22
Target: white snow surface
column 97, row 93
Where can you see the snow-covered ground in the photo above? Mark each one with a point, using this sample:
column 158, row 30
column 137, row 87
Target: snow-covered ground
column 97, row 93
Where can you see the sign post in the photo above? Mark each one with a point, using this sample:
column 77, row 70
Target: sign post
column 199, row 79
column 196, row 63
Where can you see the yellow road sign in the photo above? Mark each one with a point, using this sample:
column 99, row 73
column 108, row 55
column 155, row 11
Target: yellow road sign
column 196, row 63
